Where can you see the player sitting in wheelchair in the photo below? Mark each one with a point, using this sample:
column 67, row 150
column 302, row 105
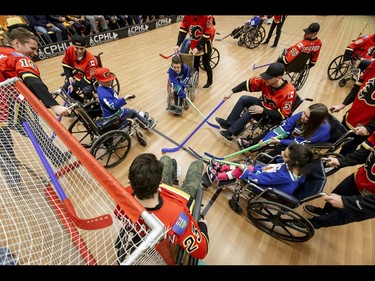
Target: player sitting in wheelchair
column 253, row 22
column 112, row 105
column 179, row 75
column 287, row 174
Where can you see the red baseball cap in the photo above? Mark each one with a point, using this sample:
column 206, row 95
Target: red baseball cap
column 104, row 75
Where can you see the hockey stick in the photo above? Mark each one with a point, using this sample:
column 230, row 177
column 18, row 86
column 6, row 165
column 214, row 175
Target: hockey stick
column 221, row 39
column 200, row 113
column 175, row 149
column 166, row 57
column 87, row 224
column 250, row 148
column 363, row 30
column 259, row 66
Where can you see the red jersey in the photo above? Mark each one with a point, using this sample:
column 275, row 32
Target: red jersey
column 199, row 31
column 364, row 100
column 84, row 68
column 310, row 46
column 173, row 211
column 14, row 64
column 281, row 99
column 363, row 46
column 365, row 175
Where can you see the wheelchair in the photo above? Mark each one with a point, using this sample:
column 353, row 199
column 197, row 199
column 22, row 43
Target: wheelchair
column 298, row 70
column 256, row 128
column 215, row 58
column 351, row 71
column 191, row 89
column 273, row 211
column 107, row 138
column 251, row 34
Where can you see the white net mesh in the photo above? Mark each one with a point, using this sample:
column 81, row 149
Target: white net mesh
column 68, row 223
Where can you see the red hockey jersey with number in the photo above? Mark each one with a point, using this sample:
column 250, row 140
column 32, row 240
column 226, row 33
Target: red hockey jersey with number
column 173, row 211
column 363, row 46
column 311, row 46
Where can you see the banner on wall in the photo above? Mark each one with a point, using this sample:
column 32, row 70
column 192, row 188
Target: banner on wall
column 56, row 49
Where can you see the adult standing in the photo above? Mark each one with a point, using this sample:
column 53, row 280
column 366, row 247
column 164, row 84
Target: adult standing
column 277, row 22
column 199, row 30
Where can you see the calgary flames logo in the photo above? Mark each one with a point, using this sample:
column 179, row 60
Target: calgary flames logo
column 367, row 93
column 195, row 32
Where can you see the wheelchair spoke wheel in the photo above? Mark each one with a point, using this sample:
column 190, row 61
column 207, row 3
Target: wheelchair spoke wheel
column 215, row 58
column 335, row 69
column 115, row 84
column 301, row 78
column 343, row 82
column 81, row 132
column 253, row 38
column 111, row 148
column 279, row 221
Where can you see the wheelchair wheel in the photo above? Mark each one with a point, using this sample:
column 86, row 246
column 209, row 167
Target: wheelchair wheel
column 335, row 69
column 81, row 133
column 193, row 89
column 262, row 32
column 115, row 84
column 253, row 38
column 235, row 205
column 111, row 148
column 215, row 58
column 279, row 221
column 343, row 82
column 301, row 78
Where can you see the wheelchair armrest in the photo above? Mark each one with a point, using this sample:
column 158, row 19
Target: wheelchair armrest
column 108, row 120
column 312, row 197
column 293, row 201
column 320, row 145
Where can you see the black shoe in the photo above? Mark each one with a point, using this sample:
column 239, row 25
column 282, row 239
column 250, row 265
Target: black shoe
column 226, row 134
column 208, row 84
column 141, row 139
column 314, row 211
column 265, row 43
column 152, row 123
column 244, row 143
column 223, row 123
column 274, row 46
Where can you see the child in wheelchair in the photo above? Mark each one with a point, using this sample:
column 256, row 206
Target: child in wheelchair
column 253, row 22
column 111, row 104
column 179, row 75
column 286, row 175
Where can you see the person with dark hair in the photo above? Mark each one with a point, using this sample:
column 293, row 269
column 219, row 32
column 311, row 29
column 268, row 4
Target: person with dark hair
column 286, row 176
column 275, row 104
column 310, row 44
column 199, row 30
column 79, row 67
column 178, row 75
column 361, row 115
column 308, row 126
column 43, row 25
column 16, row 61
column 151, row 183
column 353, row 199
column 277, row 22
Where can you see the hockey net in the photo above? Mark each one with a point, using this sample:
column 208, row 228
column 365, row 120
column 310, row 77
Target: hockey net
column 59, row 210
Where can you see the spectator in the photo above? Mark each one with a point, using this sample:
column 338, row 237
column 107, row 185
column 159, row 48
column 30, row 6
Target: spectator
column 275, row 104
column 44, row 26
column 201, row 44
column 310, row 44
column 361, row 115
column 79, row 67
column 65, row 27
column 80, row 24
column 170, row 205
column 286, row 176
column 102, row 23
column 278, row 22
column 353, row 199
